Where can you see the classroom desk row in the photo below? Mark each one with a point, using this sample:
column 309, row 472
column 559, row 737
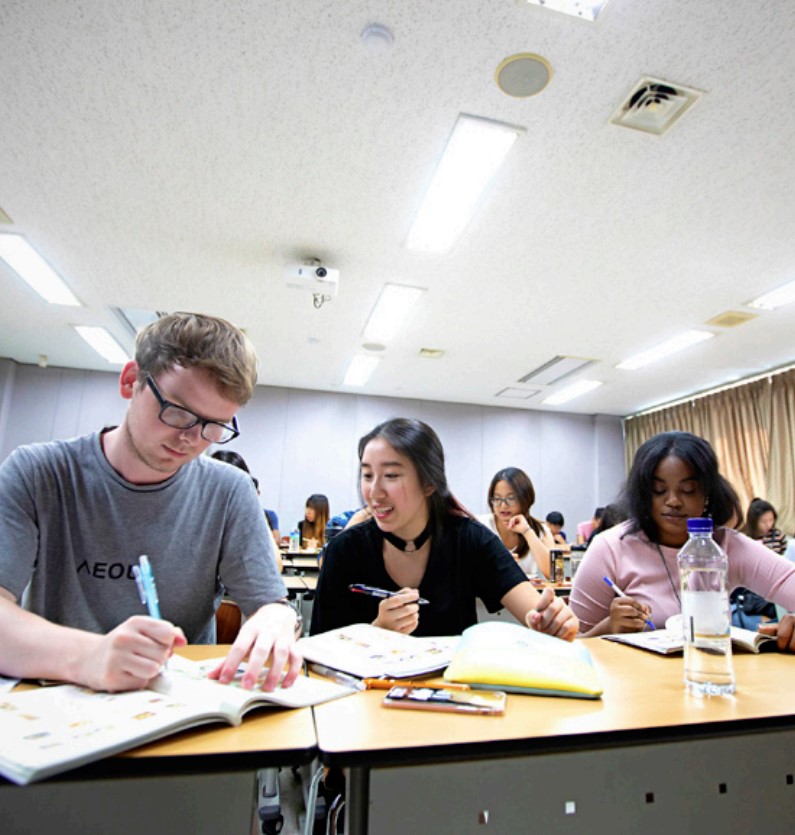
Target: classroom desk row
column 646, row 757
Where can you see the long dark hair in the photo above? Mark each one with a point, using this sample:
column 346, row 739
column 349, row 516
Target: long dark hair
column 317, row 529
column 421, row 445
column 525, row 492
column 722, row 502
column 756, row 509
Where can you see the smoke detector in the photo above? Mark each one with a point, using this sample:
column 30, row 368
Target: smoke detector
column 654, row 105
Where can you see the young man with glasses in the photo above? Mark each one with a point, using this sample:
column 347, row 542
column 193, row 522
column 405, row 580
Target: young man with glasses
column 76, row 515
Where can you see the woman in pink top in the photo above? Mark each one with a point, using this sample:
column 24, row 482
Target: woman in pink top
column 674, row 477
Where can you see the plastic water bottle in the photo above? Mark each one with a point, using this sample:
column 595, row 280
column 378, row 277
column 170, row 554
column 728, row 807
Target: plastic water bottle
column 295, row 540
column 706, row 617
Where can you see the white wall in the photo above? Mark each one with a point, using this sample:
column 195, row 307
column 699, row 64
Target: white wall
column 299, row 442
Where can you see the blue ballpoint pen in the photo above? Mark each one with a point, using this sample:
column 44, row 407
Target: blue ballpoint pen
column 145, row 580
column 620, row 593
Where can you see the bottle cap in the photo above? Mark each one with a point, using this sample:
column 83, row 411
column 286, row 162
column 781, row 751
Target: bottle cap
column 699, row 525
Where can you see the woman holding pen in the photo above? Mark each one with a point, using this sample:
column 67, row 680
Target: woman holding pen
column 421, row 543
column 674, row 477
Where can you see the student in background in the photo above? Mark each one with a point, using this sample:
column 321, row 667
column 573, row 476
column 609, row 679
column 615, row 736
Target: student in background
column 76, row 515
column 612, row 515
column 674, row 477
column 555, row 523
column 511, row 495
column 422, row 543
column 749, row 608
column 229, row 456
column 585, row 529
column 313, row 525
column 760, row 524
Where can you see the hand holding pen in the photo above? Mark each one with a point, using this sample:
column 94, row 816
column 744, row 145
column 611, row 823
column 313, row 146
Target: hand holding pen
column 627, row 611
column 398, row 610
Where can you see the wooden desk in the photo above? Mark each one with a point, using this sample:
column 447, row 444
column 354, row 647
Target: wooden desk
column 647, row 757
column 199, row 781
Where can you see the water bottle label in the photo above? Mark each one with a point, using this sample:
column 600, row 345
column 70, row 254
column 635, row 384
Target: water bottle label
column 705, row 613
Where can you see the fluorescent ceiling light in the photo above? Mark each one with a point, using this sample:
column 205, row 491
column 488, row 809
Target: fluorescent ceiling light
column 393, row 306
column 103, row 343
column 474, row 152
column 585, row 9
column 32, row 268
column 775, row 298
column 513, row 393
column 556, row 369
column 572, row 391
column 672, row 346
column 360, row 369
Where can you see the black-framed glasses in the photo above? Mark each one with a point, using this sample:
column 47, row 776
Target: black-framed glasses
column 178, row 417
column 496, row 501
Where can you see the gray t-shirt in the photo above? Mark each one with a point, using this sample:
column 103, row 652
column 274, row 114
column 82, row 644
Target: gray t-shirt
column 72, row 527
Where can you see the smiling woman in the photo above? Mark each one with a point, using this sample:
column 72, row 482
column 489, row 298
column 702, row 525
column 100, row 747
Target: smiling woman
column 674, row 477
column 422, row 543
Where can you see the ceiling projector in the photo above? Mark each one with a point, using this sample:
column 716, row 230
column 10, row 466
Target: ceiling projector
column 313, row 276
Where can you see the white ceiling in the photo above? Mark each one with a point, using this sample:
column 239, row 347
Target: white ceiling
column 175, row 155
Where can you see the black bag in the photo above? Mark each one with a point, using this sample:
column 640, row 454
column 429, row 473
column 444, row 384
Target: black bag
column 748, row 608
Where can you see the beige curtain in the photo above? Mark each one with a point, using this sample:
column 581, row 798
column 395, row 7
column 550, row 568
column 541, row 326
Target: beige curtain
column 752, row 430
column 780, row 476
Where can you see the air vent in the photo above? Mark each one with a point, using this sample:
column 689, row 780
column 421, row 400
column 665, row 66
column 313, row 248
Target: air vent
column 731, row 318
column 654, row 105
column 556, row 369
column 513, row 393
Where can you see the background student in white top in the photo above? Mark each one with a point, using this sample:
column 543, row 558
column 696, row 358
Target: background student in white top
column 76, row 515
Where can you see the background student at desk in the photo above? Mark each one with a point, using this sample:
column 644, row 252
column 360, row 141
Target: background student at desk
column 312, row 528
column 511, row 496
column 422, row 542
column 674, row 477
column 76, row 515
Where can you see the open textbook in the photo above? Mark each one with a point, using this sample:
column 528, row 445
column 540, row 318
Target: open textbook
column 52, row 729
column 369, row 652
column 506, row 656
column 669, row 641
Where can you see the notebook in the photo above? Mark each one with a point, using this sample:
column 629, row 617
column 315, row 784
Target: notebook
column 53, row 729
column 506, row 656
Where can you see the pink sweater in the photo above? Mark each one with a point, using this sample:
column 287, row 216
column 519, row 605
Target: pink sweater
column 634, row 565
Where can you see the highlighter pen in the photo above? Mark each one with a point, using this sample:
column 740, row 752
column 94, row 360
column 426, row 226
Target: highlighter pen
column 145, row 580
column 620, row 593
column 372, row 591
column 389, row 683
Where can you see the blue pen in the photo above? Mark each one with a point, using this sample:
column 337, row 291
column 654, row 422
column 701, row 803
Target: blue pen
column 145, row 581
column 620, row 593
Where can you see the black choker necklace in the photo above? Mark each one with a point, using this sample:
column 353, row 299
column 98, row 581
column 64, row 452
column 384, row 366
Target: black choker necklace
column 408, row 546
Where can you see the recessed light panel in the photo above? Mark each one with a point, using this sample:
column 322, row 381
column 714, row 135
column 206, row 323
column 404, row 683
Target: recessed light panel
column 583, row 9
column 475, row 151
column 33, row 269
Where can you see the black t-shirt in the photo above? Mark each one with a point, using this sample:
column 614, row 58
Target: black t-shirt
column 466, row 562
